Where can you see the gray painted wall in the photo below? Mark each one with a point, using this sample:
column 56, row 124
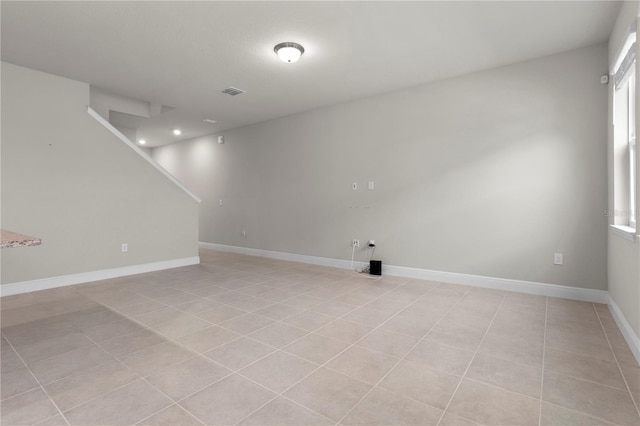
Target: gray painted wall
column 487, row 174
column 69, row 181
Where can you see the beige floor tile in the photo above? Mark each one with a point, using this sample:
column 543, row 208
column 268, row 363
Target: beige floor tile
column 579, row 344
column 187, row 377
column 345, row 331
column 180, row 327
column 623, row 353
column 278, row 371
column 316, row 348
column 56, row 420
column 521, row 301
column 582, row 367
column 112, row 330
column 437, row 356
column 513, row 348
column 239, row 353
column 381, row 407
column 553, row 415
column 37, row 331
column 381, row 304
column 52, row 347
column 309, row 320
column 363, row 364
column 632, row 376
column 177, row 298
column 278, row 311
column 227, row 401
column 159, row 316
column 15, row 382
column 283, row 412
column 120, row 298
column 318, row 392
column 252, row 304
column 86, row 320
column 420, row 383
column 172, row 416
column 303, row 301
column 125, row 345
column 150, row 360
column 332, row 308
column 220, row 314
column 590, row 398
column 247, row 323
column 58, row 367
column 508, row 375
column 197, row 306
column 126, row 405
column 468, row 337
column 80, row 388
column 450, row 419
column 27, row 408
column 415, row 323
column 206, row 339
column 387, row 342
column 490, row 405
column 278, row 335
column 9, row 361
column 141, row 308
column 370, row 317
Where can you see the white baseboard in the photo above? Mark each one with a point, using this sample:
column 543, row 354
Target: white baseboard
column 542, row 289
column 629, row 335
column 85, row 277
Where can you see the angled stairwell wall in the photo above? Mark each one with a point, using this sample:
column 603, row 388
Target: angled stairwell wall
column 70, row 181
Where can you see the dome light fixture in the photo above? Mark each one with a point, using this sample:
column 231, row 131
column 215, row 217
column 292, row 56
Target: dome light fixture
column 177, row 132
column 142, row 142
column 288, row 51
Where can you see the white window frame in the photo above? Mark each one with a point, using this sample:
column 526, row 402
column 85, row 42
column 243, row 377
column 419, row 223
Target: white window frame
column 624, row 116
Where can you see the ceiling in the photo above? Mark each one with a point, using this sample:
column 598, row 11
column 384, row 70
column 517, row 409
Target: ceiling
column 182, row 53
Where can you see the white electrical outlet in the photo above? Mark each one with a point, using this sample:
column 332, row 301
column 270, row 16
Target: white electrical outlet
column 354, row 186
column 125, row 247
column 557, row 258
column 355, row 243
column 372, row 185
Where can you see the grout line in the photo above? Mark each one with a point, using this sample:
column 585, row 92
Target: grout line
column 544, row 352
column 324, row 365
column 617, row 362
column 406, row 354
column 504, row 296
column 197, row 353
column 165, row 409
column 39, row 384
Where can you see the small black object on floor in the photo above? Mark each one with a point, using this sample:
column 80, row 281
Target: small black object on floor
column 375, row 267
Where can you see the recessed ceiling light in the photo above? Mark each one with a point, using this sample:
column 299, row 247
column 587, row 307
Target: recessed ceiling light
column 288, row 51
column 142, row 141
column 177, row 132
column 207, row 120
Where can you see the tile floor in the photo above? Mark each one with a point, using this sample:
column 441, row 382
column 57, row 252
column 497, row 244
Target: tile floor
column 242, row 340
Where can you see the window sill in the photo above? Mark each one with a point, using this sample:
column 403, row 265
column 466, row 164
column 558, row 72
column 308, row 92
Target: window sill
column 626, row 232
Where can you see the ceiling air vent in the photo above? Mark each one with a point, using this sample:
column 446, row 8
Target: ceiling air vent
column 232, row 91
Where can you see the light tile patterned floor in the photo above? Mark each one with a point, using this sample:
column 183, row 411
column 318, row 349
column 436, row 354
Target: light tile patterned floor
column 245, row 340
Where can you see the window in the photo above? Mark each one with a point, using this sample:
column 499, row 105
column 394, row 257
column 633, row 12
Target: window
column 624, row 137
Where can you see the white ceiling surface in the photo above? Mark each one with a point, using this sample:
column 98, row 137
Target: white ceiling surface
column 183, row 53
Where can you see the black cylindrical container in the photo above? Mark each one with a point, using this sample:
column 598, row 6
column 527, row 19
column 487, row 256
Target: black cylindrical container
column 375, row 267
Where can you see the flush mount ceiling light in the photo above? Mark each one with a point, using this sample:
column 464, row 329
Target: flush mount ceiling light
column 177, row 132
column 289, row 51
column 142, row 142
